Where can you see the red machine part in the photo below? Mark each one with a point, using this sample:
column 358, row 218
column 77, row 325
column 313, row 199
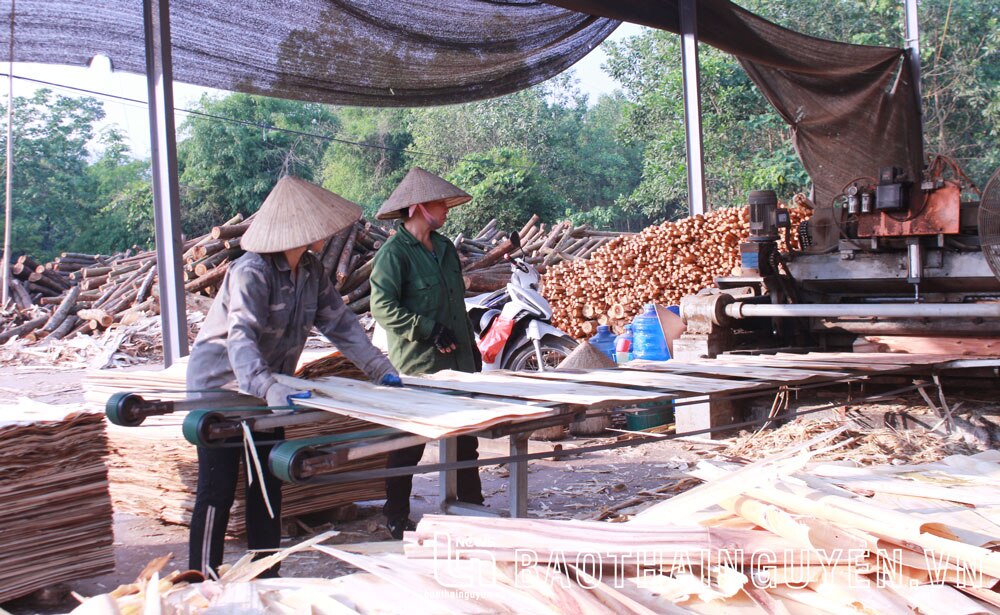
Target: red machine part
column 939, row 214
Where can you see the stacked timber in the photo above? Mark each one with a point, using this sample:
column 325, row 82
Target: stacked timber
column 348, row 258
column 77, row 293
column 483, row 257
column 154, row 471
column 661, row 264
column 56, row 522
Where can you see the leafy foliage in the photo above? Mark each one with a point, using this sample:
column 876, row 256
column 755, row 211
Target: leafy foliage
column 230, row 159
column 503, row 186
column 368, row 168
column 52, row 191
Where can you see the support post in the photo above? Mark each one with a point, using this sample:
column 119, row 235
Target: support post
column 692, row 106
column 912, row 32
column 448, row 479
column 8, row 197
column 166, row 198
column 518, row 480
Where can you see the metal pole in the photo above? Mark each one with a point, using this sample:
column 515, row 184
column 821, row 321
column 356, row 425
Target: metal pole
column 8, row 197
column 912, row 30
column 692, row 106
column 865, row 310
column 913, row 40
column 166, row 199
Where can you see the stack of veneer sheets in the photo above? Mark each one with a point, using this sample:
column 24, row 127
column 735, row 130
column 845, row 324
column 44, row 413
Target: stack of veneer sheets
column 55, row 511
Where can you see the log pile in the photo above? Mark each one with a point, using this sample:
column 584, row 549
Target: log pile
column 661, row 264
column 153, row 470
column 485, row 268
column 348, row 258
column 56, row 523
column 84, row 293
column 78, row 293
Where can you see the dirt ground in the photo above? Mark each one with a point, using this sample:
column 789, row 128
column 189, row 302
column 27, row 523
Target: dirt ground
column 572, row 486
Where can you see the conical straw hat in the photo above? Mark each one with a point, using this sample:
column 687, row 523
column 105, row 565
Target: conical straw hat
column 417, row 187
column 296, row 214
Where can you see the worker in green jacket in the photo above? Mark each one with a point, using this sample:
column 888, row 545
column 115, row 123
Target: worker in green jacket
column 418, row 297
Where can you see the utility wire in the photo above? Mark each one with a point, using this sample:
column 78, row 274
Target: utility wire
column 264, row 126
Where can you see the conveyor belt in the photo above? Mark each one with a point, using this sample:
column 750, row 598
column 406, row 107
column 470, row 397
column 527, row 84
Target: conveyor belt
column 520, row 403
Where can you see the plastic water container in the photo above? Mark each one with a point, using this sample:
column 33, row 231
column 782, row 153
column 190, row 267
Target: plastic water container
column 649, row 341
column 604, row 341
column 625, row 345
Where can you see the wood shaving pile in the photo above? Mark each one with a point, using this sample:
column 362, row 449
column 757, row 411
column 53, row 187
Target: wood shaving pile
column 866, row 446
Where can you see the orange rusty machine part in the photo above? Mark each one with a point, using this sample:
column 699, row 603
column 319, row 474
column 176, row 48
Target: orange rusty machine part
column 890, row 257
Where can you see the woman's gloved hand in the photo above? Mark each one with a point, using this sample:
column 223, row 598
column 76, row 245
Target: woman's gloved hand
column 443, row 339
column 280, row 395
column 391, row 380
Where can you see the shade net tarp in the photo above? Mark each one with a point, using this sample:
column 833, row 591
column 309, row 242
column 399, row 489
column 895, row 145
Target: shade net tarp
column 852, row 108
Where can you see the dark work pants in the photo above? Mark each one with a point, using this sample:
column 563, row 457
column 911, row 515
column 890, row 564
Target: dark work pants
column 397, row 489
column 218, row 471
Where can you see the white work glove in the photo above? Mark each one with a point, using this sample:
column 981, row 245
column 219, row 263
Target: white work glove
column 279, row 395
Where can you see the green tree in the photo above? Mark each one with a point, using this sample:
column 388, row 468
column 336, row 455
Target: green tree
column 503, row 186
column 573, row 148
column 230, row 157
column 368, row 167
column 960, row 64
column 599, row 168
column 748, row 146
column 53, row 195
column 124, row 198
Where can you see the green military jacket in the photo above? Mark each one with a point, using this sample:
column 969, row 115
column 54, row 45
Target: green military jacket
column 412, row 290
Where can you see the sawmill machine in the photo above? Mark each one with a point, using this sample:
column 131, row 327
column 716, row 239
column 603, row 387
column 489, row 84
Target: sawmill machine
column 891, row 256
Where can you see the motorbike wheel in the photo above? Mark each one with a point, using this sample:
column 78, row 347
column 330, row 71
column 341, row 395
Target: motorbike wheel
column 554, row 350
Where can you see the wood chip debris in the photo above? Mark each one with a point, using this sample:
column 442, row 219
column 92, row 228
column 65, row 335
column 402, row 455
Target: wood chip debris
column 784, row 534
column 867, row 446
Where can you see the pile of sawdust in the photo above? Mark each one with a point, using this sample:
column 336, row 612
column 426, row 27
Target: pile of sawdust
column 866, row 446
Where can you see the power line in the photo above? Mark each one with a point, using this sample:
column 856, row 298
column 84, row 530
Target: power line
column 263, row 126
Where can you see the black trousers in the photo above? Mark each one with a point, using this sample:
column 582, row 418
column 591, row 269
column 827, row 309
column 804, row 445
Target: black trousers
column 218, row 471
column 398, row 489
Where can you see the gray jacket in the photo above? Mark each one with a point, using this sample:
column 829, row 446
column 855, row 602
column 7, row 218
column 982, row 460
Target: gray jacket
column 260, row 319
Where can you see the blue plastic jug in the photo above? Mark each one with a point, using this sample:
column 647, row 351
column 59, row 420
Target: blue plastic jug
column 625, row 345
column 604, row 341
column 649, row 341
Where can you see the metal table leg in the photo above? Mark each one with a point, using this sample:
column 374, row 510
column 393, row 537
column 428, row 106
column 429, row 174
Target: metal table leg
column 448, row 479
column 517, row 480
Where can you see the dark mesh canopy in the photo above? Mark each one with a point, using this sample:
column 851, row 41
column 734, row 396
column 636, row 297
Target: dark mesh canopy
column 852, row 108
column 349, row 52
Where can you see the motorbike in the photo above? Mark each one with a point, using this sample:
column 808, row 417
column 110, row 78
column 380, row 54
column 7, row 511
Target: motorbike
column 513, row 325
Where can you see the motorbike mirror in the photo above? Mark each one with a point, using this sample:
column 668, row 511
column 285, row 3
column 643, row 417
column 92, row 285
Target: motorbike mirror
column 515, row 240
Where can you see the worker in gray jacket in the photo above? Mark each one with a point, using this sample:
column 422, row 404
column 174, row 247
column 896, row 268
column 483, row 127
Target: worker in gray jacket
column 257, row 326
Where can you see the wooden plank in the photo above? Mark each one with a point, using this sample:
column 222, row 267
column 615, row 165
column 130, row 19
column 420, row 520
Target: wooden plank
column 964, row 346
column 424, row 413
column 810, row 364
column 875, row 358
column 714, row 367
column 664, row 382
column 502, row 385
column 551, row 540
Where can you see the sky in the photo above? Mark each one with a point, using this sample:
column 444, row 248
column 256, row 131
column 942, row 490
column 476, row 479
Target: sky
column 132, row 117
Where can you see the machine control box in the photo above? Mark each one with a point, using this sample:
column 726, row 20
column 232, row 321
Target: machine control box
column 890, row 194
